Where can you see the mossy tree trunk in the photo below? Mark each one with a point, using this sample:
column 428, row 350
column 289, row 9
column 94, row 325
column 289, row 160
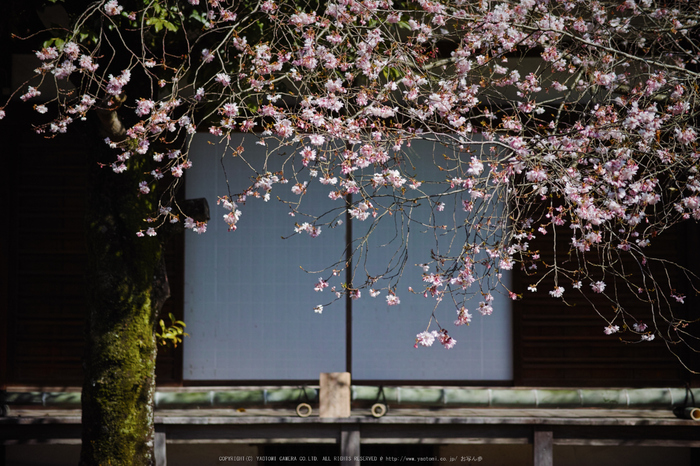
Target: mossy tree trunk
column 126, row 287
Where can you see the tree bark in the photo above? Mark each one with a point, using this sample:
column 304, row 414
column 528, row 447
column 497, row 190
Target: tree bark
column 126, row 286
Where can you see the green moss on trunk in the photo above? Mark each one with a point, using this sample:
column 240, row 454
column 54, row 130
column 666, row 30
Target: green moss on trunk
column 119, row 384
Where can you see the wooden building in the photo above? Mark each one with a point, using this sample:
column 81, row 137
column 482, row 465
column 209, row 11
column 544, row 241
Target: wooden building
column 536, row 379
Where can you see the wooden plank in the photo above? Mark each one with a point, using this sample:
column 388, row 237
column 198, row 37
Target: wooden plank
column 444, row 434
column 50, row 441
column 446, row 441
column 628, row 442
column 239, row 432
column 334, row 394
column 431, row 428
column 254, row 441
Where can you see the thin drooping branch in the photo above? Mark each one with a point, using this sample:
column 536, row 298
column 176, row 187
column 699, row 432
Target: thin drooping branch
column 541, row 119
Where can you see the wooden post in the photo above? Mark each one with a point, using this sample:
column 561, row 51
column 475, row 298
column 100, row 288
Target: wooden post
column 350, row 445
column 542, row 448
column 334, row 395
column 159, row 449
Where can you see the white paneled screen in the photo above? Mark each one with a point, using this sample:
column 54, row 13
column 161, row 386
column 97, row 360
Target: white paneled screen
column 249, row 305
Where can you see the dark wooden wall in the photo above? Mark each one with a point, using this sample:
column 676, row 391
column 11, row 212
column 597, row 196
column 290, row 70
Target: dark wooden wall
column 43, row 260
column 560, row 343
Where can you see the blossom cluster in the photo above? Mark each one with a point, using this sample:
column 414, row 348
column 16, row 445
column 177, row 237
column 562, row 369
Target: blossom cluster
column 545, row 117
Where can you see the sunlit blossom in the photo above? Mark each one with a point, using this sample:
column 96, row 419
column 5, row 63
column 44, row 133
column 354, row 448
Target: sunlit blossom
column 580, row 146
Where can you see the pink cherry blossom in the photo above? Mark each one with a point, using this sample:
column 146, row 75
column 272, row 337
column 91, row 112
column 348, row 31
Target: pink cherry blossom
column 115, row 84
column 31, row 92
column 321, row 285
column 426, row 338
column 463, row 316
column 593, row 141
column 223, row 79
column 112, row 8
column 447, row 341
column 557, row 292
column 598, row 286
